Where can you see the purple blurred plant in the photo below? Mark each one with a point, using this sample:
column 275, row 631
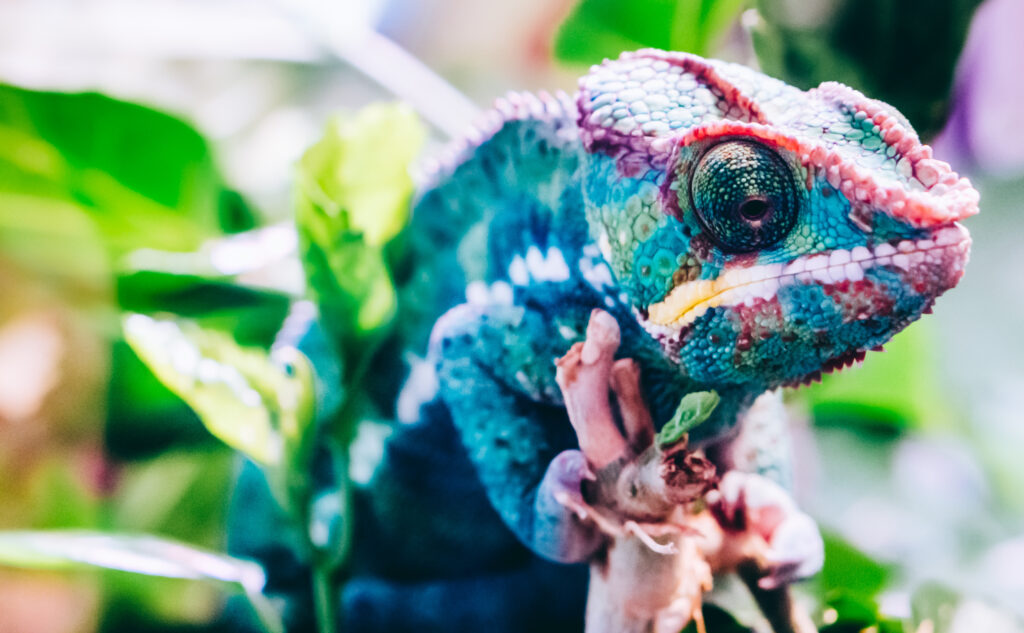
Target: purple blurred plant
column 984, row 126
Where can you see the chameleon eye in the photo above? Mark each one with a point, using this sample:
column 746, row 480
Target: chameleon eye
column 745, row 195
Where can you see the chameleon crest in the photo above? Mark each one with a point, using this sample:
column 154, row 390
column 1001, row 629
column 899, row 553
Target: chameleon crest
column 762, row 233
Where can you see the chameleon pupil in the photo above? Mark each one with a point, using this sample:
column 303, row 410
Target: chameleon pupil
column 754, row 209
column 745, row 195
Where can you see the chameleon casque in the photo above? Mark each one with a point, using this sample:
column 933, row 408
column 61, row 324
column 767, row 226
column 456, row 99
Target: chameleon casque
column 746, row 235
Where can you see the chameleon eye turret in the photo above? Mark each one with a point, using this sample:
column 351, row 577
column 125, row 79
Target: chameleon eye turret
column 745, row 195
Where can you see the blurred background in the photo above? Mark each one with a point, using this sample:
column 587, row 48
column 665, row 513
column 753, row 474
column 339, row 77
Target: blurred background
column 148, row 153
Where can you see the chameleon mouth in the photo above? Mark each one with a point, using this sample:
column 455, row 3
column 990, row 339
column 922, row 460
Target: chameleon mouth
column 943, row 251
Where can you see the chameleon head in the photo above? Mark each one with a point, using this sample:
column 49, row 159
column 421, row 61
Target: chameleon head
column 762, row 233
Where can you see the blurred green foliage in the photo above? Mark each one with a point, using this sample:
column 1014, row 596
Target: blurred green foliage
column 899, row 390
column 148, row 555
column 81, row 169
column 86, row 180
column 247, row 401
column 850, row 571
column 903, row 53
column 599, row 29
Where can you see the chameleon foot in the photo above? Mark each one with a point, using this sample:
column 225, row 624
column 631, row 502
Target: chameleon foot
column 571, row 529
column 762, row 519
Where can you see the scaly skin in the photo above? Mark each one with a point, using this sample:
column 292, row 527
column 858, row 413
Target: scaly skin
column 745, row 235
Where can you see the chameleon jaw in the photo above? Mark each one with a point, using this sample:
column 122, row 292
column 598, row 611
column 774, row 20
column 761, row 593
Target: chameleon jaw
column 947, row 247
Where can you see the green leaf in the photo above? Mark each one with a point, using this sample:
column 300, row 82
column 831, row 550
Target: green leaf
column 84, row 179
column 250, row 402
column 848, row 614
column 252, row 315
column 147, row 555
column 698, row 24
column 849, row 571
column 178, row 494
column 140, row 177
column 693, row 409
column 357, row 174
column 54, row 240
column 143, row 416
column 599, row 29
column 352, row 198
column 57, row 498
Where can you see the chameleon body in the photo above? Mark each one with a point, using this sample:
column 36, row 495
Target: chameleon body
column 745, row 234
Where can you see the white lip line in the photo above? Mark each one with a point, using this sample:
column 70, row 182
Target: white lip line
column 684, row 319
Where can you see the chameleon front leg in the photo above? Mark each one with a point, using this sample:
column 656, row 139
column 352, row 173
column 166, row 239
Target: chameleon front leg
column 496, row 371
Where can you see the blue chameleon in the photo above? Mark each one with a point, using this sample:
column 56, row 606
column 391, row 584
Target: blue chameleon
column 744, row 234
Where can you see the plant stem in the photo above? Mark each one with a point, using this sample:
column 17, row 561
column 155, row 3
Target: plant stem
column 324, row 600
column 267, row 615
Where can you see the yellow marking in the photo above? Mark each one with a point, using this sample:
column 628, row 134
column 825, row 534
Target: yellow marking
column 689, row 296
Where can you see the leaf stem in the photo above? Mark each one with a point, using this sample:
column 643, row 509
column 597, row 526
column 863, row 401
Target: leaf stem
column 324, row 599
column 267, row 615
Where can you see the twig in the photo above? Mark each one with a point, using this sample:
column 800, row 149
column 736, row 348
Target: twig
column 652, row 575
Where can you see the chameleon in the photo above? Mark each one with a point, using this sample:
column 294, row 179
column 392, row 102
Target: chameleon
column 746, row 235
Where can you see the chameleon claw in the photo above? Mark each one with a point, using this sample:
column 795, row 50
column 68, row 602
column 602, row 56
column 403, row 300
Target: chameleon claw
column 634, row 528
column 581, row 510
column 586, row 512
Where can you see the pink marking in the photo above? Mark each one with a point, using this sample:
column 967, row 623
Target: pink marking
column 920, row 153
column 927, row 172
column 906, row 145
column 833, row 177
column 894, row 134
